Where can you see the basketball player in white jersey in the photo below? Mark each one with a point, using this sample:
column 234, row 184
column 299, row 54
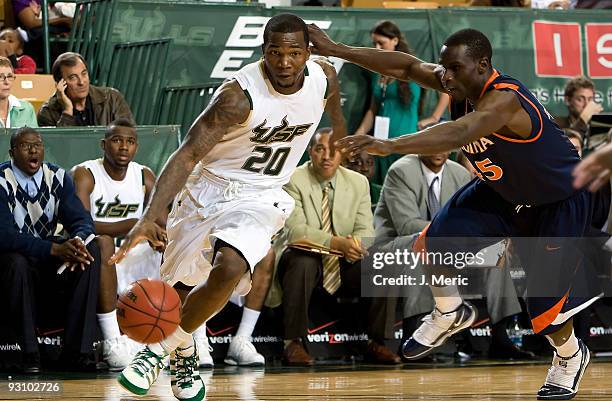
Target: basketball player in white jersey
column 114, row 190
column 226, row 182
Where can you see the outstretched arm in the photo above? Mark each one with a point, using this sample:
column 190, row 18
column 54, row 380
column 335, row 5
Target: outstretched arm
column 332, row 107
column 229, row 107
column 496, row 110
column 393, row 64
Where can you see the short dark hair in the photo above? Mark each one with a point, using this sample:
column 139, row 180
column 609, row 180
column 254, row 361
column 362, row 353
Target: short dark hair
column 579, row 82
column 68, row 59
column 320, row 131
column 477, row 44
column 120, row 122
column 21, row 131
column 285, row 23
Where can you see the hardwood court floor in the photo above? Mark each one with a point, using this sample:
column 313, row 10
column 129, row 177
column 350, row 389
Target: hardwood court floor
column 476, row 381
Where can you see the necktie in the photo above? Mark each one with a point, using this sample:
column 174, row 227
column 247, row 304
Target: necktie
column 331, row 264
column 433, row 203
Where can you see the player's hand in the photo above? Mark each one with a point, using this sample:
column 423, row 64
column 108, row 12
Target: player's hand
column 146, row 230
column 590, row 109
column 321, row 43
column 594, row 170
column 61, row 91
column 352, row 145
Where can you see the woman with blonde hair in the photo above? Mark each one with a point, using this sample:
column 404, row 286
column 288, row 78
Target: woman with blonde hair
column 14, row 113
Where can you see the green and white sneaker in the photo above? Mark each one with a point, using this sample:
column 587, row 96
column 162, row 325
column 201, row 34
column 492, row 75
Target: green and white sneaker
column 187, row 385
column 142, row 372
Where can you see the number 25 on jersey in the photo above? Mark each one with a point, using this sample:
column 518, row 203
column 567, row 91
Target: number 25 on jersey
column 486, row 170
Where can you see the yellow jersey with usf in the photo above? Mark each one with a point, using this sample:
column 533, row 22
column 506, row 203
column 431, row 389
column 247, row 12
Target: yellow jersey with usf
column 265, row 150
column 112, row 201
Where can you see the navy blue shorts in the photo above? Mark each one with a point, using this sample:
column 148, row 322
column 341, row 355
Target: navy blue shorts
column 544, row 237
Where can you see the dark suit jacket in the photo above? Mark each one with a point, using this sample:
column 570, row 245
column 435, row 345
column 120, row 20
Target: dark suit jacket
column 402, row 208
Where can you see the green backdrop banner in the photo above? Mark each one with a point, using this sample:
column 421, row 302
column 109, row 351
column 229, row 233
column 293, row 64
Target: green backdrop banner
column 68, row 147
column 211, row 41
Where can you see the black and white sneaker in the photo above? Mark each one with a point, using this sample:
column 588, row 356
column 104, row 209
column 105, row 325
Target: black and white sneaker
column 565, row 374
column 436, row 328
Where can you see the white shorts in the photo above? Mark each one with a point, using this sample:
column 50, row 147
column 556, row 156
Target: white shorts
column 140, row 262
column 210, row 208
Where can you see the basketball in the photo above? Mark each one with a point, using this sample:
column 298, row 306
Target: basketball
column 148, row 311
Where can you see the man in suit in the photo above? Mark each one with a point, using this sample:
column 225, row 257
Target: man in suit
column 414, row 189
column 332, row 209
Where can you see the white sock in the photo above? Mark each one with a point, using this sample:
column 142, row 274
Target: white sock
column 248, row 322
column 569, row 348
column 447, row 298
column 200, row 331
column 179, row 338
column 108, row 324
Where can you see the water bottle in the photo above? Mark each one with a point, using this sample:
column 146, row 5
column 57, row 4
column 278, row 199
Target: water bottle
column 515, row 333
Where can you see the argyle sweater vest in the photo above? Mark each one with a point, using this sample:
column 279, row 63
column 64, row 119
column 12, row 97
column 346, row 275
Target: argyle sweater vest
column 36, row 216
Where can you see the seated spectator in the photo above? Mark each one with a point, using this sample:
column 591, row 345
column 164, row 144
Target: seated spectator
column 332, row 209
column 415, row 189
column 14, row 113
column 241, row 350
column 76, row 102
column 29, row 17
column 575, row 138
column 13, row 50
column 364, row 164
column 579, row 99
column 35, row 197
column 115, row 190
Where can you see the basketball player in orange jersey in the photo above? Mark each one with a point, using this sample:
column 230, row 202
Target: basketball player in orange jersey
column 226, row 182
column 523, row 189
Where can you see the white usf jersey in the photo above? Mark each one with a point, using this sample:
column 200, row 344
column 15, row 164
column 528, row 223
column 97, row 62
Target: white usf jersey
column 112, row 201
column 265, row 150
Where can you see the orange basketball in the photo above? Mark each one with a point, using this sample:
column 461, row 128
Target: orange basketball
column 149, row 311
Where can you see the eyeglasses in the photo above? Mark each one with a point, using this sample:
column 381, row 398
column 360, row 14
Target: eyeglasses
column 7, row 77
column 27, row 146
